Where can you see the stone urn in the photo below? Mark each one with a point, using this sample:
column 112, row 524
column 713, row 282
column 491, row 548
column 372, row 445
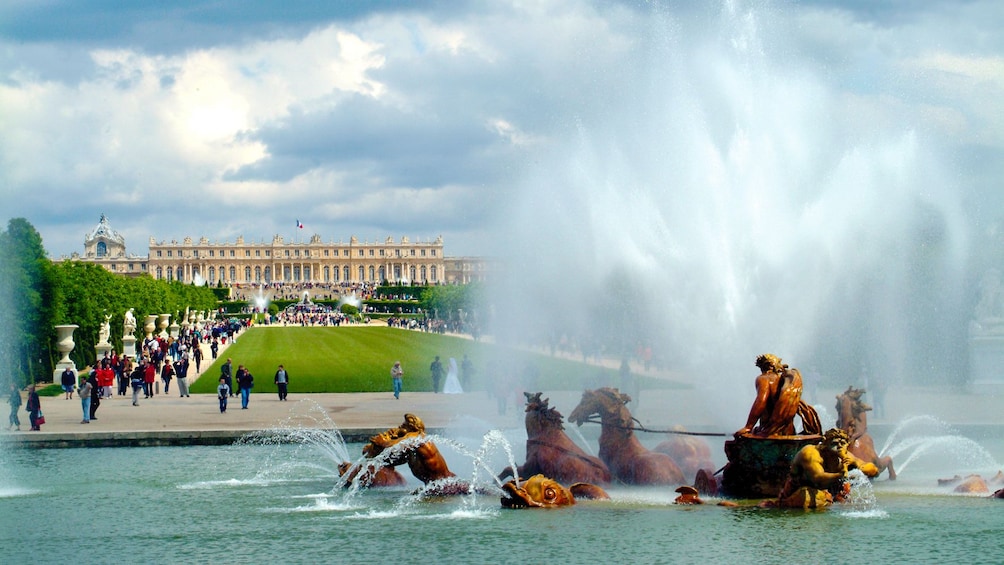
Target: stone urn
column 162, row 322
column 150, row 325
column 65, row 344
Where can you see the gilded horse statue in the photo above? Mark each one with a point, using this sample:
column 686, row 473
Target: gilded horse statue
column 852, row 418
column 627, row 459
column 549, row 451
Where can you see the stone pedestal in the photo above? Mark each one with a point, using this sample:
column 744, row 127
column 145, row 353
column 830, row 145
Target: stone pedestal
column 100, row 350
column 129, row 346
column 758, row 467
column 174, row 329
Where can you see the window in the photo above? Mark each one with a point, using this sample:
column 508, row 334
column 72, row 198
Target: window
column 212, row 253
column 170, row 271
column 231, row 253
column 432, row 273
column 160, row 272
column 360, row 252
column 423, row 253
column 102, row 249
column 247, row 273
column 433, row 252
column 247, row 253
column 159, row 255
column 371, row 252
column 411, row 252
column 257, row 252
column 233, row 272
column 268, row 252
column 169, row 254
column 287, row 253
column 345, row 253
column 297, row 253
column 381, row 252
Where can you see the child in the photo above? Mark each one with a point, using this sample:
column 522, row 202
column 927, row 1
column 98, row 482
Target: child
column 223, row 392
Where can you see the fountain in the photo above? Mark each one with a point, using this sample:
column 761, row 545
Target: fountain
column 713, row 206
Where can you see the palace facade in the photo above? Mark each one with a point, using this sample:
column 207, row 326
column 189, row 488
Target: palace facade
column 281, row 261
column 314, row 261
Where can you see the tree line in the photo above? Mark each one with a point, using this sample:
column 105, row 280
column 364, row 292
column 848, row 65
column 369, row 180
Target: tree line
column 37, row 294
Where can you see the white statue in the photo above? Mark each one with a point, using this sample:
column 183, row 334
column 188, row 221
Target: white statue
column 105, row 331
column 129, row 323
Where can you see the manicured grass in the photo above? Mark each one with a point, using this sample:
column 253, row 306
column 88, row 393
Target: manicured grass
column 359, row 358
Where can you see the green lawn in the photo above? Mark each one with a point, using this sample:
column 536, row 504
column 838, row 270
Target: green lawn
column 359, row 358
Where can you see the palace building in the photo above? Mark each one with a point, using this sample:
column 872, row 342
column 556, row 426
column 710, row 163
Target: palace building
column 106, row 247
column 281, row 261
column 313, row 261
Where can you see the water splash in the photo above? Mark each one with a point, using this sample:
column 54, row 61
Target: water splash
column 928, row 438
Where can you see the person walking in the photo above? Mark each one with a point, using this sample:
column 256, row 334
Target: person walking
column 282, row 382
column 15, row 404
column 166, row 374
column 85, row 401
column 246, row 382
column 197, row 355
column 136, row 380
column 223, row 393
column 181, row 371
column 436, row 368
column 149, row 378
column 34, row 408
column 227, row 372
column 397, row 376
column 95, row 394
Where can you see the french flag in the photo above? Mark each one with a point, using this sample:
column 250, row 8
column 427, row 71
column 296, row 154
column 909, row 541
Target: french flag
column 299, row 224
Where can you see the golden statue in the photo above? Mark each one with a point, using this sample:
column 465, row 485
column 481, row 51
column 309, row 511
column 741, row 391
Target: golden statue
column 778, row 401
column 819, row 472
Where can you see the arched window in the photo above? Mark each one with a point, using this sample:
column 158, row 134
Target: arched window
column 160, row 273
column 362, row 273
column 212, row 275
column 247, row 274
column 346, row 274
column 102, row 249
column 268, row 274
column 257, row 274
column 327, row 274
column 432, row 273
column 411, row 273
column 383, row 274
column 170, row 273
column 233, row 274
column 425, row 277
column 372, row 273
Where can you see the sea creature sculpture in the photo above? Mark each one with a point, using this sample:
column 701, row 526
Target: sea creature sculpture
column 852, row 418
column 549, row 451
column 370, row 476
column 688, row 495
column 542, row 492
column 408, row 443
column 623, row 454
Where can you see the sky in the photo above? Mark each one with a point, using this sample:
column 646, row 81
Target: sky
column 415, row 119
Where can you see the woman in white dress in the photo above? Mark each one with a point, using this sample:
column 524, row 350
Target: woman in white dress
column 452, row 385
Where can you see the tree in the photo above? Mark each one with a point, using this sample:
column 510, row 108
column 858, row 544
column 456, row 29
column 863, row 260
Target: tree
column 28, row 306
